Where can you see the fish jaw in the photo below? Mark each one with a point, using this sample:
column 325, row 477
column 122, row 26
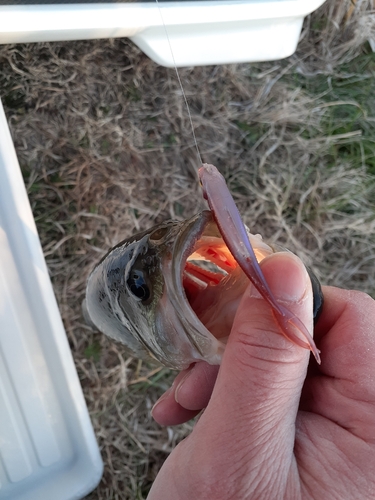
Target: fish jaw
column 175, row 314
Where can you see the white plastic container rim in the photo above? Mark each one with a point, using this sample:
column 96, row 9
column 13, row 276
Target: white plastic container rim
column 201, row 32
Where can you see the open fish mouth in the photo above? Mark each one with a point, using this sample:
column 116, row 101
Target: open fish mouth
column 201, row 278
column 206, row 277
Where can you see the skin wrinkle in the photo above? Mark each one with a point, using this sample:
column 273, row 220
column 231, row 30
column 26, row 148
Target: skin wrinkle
column 268, row 423
column 277, row 385
column 264, row 411
column 237, row 476
column 281, row 477
column 293, row 486
column 258, row 348
column 231, row 486
column 210, row 484
column 241, row 433
column 335, row 459
column 271, row 349
column 249, row 357
column 257, row 477
column 252, row 451
column 305, row 446
column 268, row 481
column 353, row 373
column 364, row 441
column 268, row 431
column 280, row 385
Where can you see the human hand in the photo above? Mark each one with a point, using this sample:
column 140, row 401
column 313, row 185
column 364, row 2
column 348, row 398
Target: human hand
column 271, row 428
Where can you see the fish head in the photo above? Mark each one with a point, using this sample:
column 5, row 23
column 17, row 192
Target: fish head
column 138, row 293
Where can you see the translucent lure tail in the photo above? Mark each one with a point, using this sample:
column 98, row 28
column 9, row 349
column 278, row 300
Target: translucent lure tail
column 234, row 233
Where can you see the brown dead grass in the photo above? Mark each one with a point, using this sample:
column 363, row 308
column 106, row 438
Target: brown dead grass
column 104, row 141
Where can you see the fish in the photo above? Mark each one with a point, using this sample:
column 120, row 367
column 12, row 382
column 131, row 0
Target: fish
column 171, row 292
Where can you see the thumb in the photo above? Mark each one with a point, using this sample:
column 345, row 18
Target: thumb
column 257, row 392
column 242, row 446
column 256, row 340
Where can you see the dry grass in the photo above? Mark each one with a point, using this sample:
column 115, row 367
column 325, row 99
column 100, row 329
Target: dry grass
column 104, row 142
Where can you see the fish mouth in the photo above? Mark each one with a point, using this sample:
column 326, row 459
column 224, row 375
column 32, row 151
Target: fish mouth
column 205, row 284
column 206, row 261
column 201, row 259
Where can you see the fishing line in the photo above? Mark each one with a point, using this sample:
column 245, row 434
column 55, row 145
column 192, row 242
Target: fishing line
column 180, row 83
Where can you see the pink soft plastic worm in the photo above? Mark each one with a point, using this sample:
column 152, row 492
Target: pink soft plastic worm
column 233, row 231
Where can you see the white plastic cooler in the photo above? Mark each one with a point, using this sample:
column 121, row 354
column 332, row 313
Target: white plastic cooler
column 48, row 449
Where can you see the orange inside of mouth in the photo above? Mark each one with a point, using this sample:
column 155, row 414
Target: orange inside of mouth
column 196, row 277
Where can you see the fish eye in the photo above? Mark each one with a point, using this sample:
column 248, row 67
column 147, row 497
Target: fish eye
column 138, row 286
